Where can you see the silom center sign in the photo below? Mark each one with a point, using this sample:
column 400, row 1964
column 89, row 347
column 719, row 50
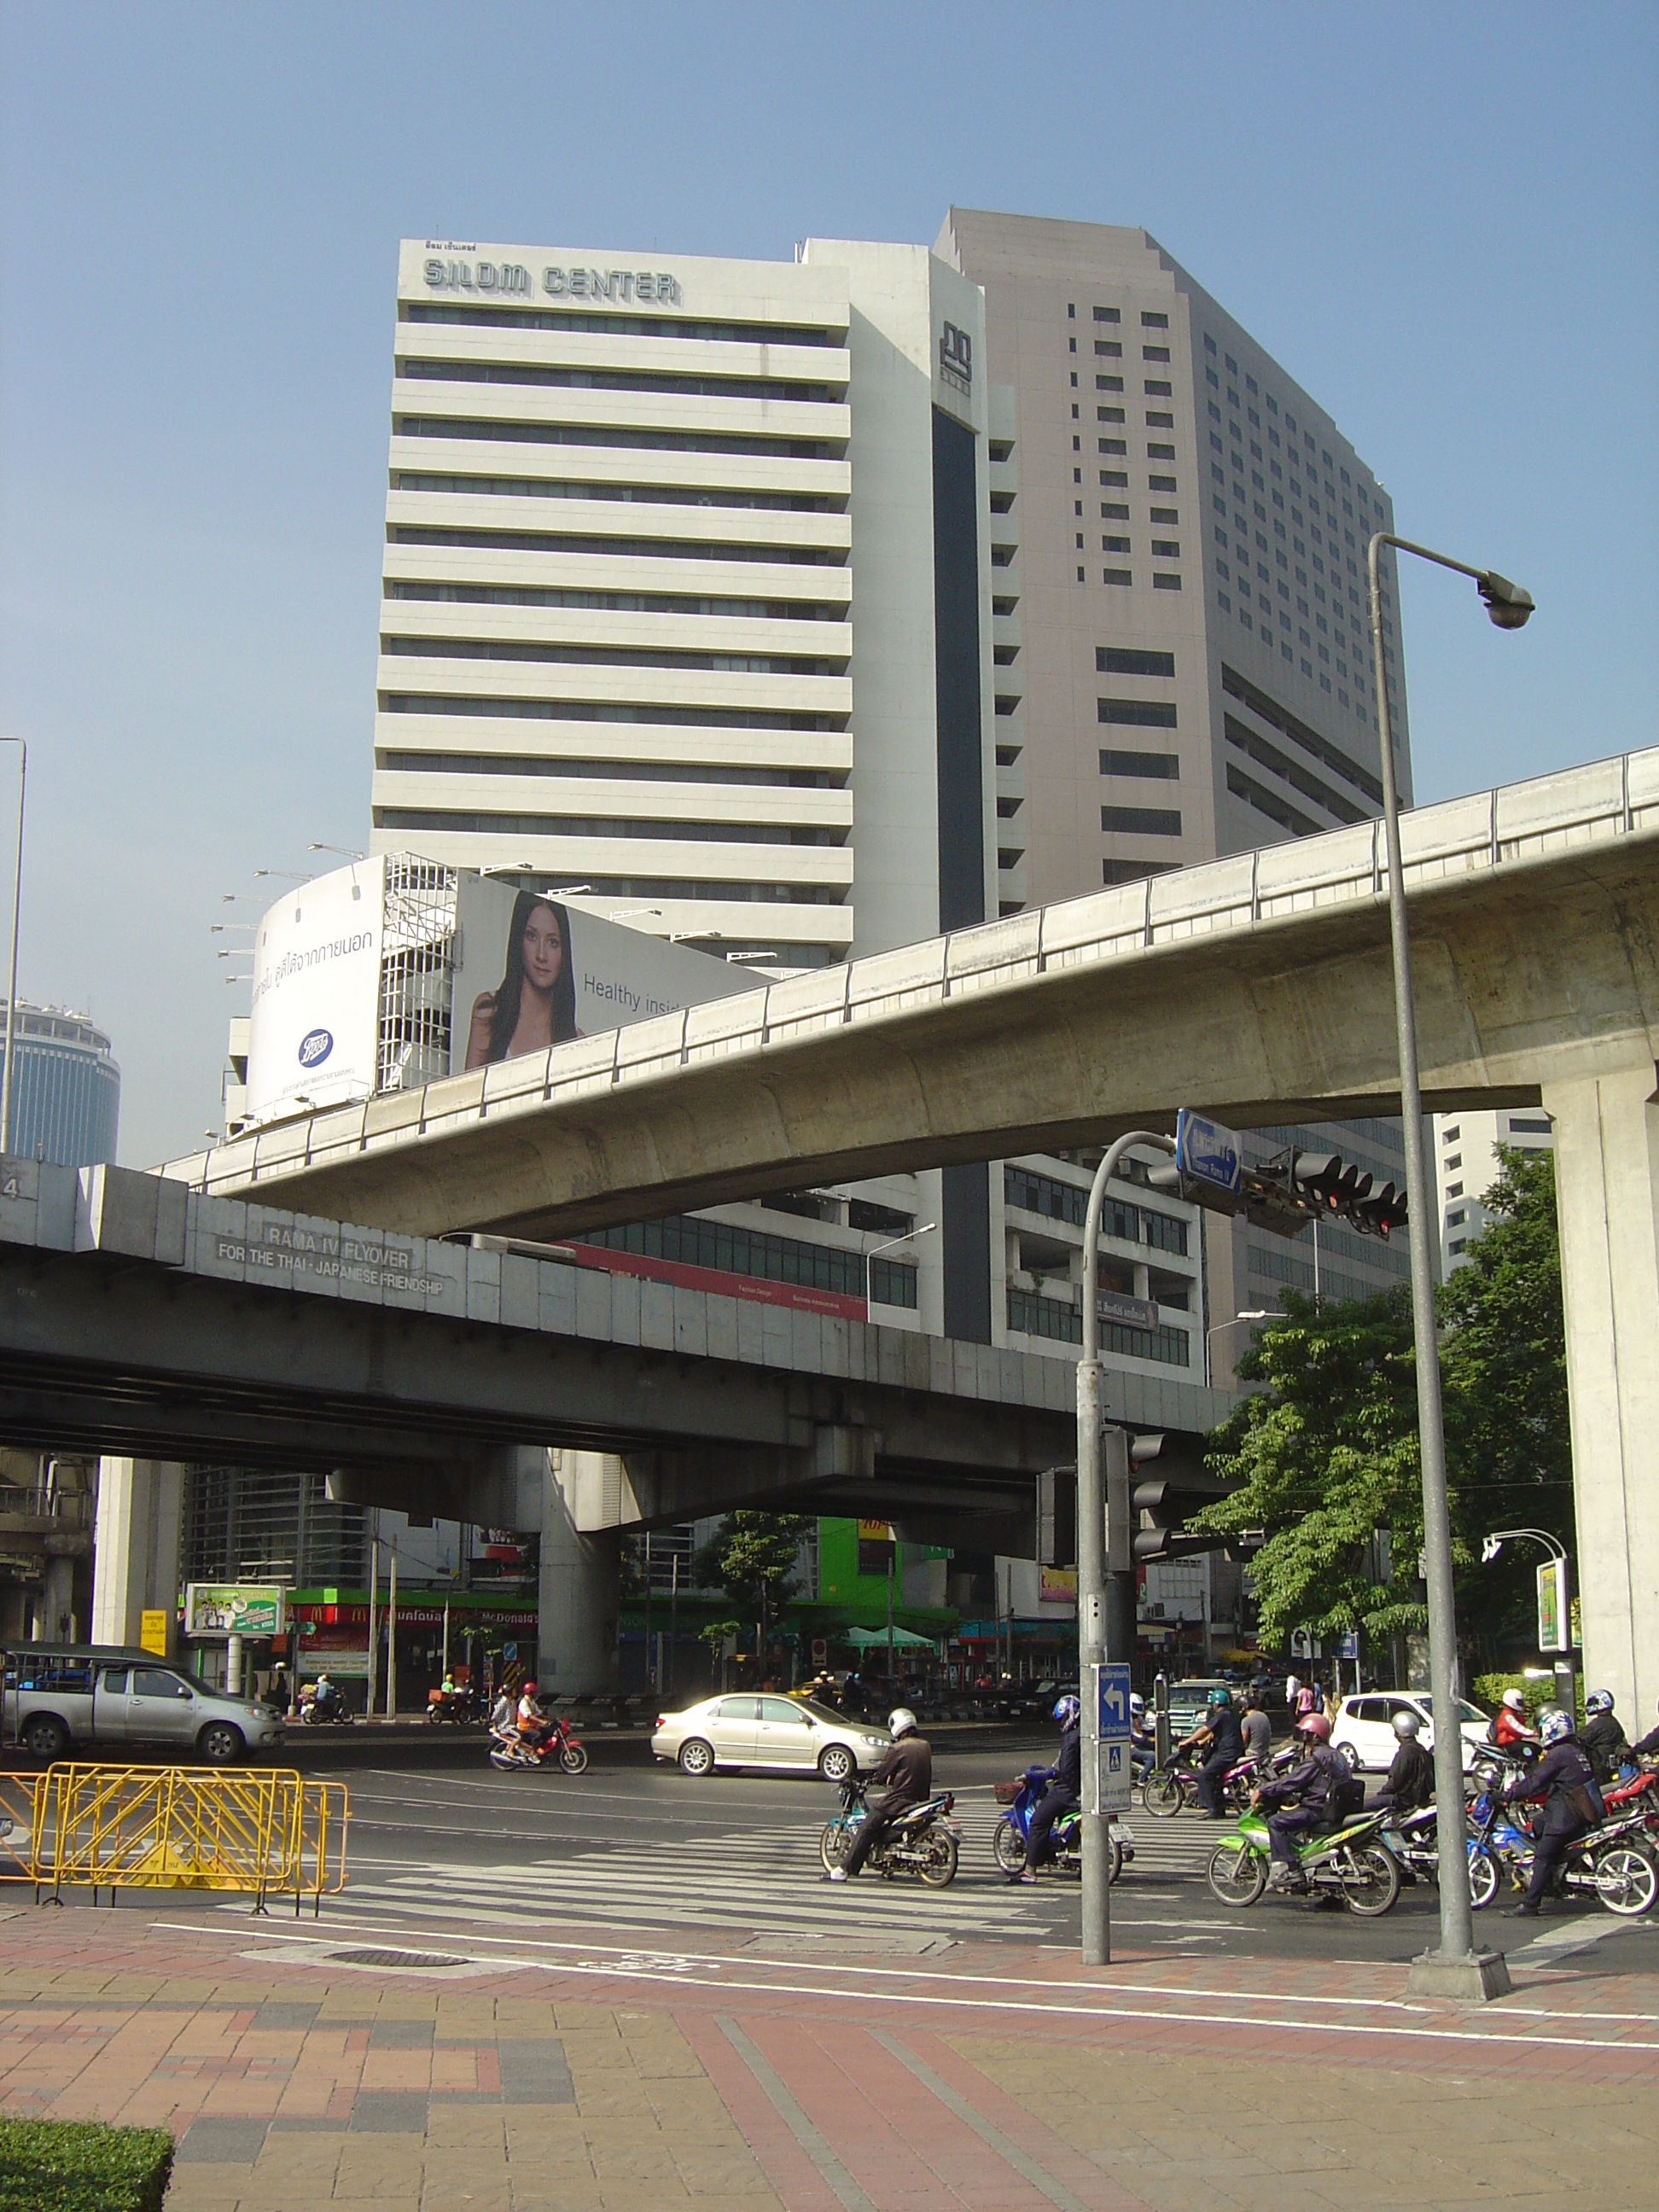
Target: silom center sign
column 613, row 286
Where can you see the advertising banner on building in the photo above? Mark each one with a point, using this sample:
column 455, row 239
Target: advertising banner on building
column 531, row 972
column 235, row 1609
column 316, row 993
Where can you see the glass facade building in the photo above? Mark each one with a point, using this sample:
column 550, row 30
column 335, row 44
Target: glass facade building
column 66, row 1089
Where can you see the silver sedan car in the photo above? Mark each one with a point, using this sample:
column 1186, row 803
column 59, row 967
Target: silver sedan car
column 784, row 1735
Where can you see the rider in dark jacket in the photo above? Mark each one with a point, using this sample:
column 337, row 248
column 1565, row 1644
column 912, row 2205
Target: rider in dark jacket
column 906, row 1766
column 1311, row 1783
column 1603, row 1736
column 1065, row 1790
column 1560, row 1778
column 1410, row 1783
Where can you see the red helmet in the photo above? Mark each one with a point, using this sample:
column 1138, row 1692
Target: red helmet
column 528, row 1689
column 1317, row 1726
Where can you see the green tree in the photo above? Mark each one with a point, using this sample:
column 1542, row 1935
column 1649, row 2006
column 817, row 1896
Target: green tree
column 1325, row 1455
column 751, row 1557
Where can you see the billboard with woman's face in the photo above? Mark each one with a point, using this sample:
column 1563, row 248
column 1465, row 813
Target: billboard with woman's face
column 532, row 971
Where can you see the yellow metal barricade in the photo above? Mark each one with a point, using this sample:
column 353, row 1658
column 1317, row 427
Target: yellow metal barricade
column 20, row 1826
column 259, row 1831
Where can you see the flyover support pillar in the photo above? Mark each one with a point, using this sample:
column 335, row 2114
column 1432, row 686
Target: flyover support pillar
column 581, row 1576
column 1607, row 1167
column 135, row 1552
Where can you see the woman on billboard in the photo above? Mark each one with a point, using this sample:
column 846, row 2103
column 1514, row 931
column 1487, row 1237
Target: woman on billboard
column 534, row 1005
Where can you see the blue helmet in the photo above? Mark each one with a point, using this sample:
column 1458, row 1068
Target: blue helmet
column 1599, row 1701
column 1068, row 1713
column 1220, row 1697
column 1554, row 1725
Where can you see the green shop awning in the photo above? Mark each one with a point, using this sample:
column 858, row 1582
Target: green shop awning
column 904, row 1638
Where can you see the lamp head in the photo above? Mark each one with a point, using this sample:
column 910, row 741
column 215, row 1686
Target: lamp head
column 1509, row 604
column 1490, row 1550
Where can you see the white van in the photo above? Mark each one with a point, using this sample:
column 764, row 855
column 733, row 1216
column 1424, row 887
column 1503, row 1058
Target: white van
column 98, row 1699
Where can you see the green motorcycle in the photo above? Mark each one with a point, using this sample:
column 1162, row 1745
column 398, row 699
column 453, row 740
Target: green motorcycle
column 1352, row 1862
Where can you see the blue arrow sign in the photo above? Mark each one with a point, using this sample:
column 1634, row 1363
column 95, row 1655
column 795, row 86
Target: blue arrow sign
column 1114, row 1705
column 1206, row 1153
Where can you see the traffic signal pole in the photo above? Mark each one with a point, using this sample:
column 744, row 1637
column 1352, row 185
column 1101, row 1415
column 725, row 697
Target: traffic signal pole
column 1092, row 1562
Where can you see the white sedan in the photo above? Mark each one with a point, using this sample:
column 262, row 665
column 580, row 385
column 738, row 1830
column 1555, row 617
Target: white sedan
column 785, row 1735
column 1363, row 1729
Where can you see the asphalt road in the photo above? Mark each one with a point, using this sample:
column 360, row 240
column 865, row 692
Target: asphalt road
column 440, row 1840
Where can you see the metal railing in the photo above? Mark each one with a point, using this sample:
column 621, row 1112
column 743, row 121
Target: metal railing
column 262, row 1832
column 1506, row 827
column 34, row 1502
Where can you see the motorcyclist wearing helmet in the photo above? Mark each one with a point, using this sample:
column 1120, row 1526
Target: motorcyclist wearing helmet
column 1563, row 1778
column 533, row 1728
column 906, row 1766
column 1509, row 1726
column 1603, row 1736
column 1410, row 1782
column 1065, row 1790
column 1222, row 1742
column 1311, row 1783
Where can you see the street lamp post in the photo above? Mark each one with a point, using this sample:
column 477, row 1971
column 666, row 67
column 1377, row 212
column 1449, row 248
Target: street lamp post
column 1457, row 1969
column 16, row 918
column 1092, row 1565
column 909, row 1236
column 1250, row 1313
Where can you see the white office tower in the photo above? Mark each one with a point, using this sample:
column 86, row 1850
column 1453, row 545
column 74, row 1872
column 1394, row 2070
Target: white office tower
column 688, row 615
column 1467, row 1165
column 1192, row 630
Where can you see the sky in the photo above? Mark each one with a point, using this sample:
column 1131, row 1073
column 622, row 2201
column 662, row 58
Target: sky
column 1441, row 220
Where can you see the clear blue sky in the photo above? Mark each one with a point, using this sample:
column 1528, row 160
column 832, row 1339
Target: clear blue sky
column 1441, row 220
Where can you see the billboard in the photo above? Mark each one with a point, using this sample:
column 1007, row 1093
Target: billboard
column 235, row 1609
column 311, row 1038
column 531, row 972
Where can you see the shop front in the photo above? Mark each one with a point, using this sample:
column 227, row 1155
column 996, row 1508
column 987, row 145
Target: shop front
column 477, row 1639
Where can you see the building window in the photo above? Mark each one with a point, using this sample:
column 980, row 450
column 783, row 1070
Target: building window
column 1166, row 549
column 1456, row 1220
column 1112, row 576
column 1161, row 483
column 1107, row 350
column 1154, row 353
column 1113, row 510
column 1454, row 1190
column 1155, row 452
column 1141, row 821
column 1150, row 321
column 1137, row 713
column 1113, row 446
column 1165, row 583
column 1157, row 387
column 1107, row 315
column 1133, row 661
column 1118, row 477
column 1164, row 767
column 1114, row 545
column 1166, row 515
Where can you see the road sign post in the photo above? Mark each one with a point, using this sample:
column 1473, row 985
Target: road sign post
column 1112, row 1766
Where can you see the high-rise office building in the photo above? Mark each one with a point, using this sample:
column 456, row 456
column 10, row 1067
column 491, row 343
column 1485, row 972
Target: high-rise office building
column 1467, row 1165
column 1188, row 623
column 66, row 1088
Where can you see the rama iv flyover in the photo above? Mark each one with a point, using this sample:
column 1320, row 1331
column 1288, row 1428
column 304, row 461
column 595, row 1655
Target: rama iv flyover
column 1257, row 988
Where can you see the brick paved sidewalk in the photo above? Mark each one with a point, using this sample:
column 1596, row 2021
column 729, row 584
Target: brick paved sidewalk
column 605, row 2081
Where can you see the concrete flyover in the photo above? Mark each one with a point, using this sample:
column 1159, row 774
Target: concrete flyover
column 1258, row 988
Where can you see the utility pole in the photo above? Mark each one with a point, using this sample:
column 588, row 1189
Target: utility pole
column 373, row 1590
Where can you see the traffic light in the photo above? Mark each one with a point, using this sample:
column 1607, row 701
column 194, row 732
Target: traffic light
column 1175, row 1483
column 1283, row 1193
column 1057, row 1516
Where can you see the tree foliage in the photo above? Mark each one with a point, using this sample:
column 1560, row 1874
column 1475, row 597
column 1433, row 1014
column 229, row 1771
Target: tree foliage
column 751, row 1557
column 1325, row 1453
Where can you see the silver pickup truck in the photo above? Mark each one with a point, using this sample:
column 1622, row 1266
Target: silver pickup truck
column 91, row 1700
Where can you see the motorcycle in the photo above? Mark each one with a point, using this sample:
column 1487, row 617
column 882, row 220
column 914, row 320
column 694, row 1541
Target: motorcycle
column 1173, row 1788
column 1352, row 1863
column 319, row 1709
column 1611, row 1862
column 1022, row 1797
column 459, row 1706
column 924, row 1841
column 558, row 1752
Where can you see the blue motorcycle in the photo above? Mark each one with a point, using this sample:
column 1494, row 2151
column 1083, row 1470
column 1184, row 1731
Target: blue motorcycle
column 1022, row 1798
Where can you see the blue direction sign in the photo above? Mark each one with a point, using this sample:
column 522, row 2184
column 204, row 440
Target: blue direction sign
column 1112, row 1708
column 1206, row 1152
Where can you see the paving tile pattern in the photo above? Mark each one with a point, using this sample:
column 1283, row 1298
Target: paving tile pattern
column 611, row 2087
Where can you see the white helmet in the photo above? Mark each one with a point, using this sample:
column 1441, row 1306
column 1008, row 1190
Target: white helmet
column 901, row 1722
column 1515, row 1701
column 1405, row 1726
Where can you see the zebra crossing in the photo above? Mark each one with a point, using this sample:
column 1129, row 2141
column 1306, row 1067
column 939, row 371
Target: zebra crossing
column 768, row 1881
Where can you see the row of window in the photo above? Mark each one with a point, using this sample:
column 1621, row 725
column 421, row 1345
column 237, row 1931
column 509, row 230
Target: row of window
column 639, row 603
column 632, row 326
column 582, row 825
column 1148, row 767
column 605, row 656
column 419, row 370
column 611, row 771
column 1124, row 577
column 1047, row 1196
column 772, row 502
column 625, row 549
column 1030, row 1315
column 604, row 710
column 1360, row 707
column 1141, row 821
column 736, row 1251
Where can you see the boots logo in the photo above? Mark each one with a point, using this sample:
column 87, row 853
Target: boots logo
column 955, row 359
column 315, row 1048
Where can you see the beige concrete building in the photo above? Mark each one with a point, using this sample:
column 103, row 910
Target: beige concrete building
column 1184, row 644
